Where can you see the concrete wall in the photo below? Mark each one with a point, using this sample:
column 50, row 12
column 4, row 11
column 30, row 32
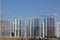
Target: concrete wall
column 53, row 39
column 12, row 39
column 17, row 38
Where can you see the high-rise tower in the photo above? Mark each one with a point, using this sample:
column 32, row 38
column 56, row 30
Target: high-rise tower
column 49, row 27
column 20, row 27
column 34, row 28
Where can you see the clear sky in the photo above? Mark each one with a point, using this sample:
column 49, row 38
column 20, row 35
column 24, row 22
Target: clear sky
column 30, row 8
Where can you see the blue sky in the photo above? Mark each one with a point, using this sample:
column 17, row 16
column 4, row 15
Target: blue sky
column 12, row 9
